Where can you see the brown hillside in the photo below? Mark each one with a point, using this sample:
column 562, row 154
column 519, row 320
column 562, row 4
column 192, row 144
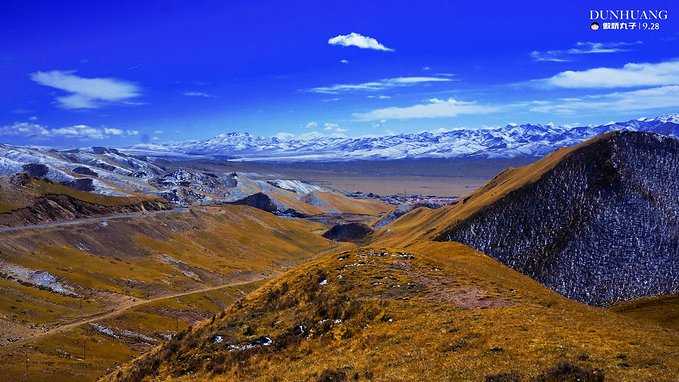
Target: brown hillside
column 438, row 311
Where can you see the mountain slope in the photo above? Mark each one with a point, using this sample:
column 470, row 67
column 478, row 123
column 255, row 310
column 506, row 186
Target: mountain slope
column 500, row 142
column 438, row 311
column 26, row 200
column 54, row 276
column 596, row 222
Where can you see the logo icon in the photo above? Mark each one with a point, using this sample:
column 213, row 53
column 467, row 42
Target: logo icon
column 594, row 26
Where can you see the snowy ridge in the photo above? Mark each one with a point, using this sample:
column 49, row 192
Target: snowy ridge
column 501, row 142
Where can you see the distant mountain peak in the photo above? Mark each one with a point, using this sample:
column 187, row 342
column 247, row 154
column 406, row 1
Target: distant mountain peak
column 512, row 140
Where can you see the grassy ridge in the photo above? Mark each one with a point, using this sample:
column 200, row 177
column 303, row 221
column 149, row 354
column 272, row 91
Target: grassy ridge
column 437, row 311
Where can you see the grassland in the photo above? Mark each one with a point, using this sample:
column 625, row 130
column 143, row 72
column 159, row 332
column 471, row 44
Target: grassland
column 662, row 310
column 83, row 354
column 113, row 264
column 436, row 311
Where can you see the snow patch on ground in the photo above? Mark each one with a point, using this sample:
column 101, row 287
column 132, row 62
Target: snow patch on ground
column 39, row 279
column 125, row 334
column 294, row 185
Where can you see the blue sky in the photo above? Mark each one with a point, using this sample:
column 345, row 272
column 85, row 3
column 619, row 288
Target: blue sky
column 80, row 73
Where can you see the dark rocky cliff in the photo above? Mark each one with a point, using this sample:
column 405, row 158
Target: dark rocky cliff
column 599, row 227
column 348, row 232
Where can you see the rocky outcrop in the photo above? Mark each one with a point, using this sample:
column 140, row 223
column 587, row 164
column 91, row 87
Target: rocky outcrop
column 348, row 232
column 263, row 202
column 83, row 170
column 260, row 201
column 601, row 226
column 36, row 170
column 81, row 184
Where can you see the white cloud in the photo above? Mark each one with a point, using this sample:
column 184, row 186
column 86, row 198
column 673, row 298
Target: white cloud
column 377, row 85
column 328, row 126
column 113, row 131
column 379, row 96
column 589, row 47
column 23, row 129
column 435, row 108
column 634, row 100
column 582, row 47
column 426, row 68
column 630, row 75
column 344, row 61
column 380, row 123
column 198, row 94
column 358, row 40
column 547, row 56
column 34, row 130
column 86, row 93
column 311, row 125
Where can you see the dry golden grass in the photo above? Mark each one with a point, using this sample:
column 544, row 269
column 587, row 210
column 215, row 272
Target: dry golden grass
column 42, row 187
column 110, row 264
column 449, row 313
column 663, row 310
column 60, row 358
column 330, row 202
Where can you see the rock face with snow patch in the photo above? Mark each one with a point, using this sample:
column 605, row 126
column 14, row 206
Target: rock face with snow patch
column 599, row 227
column 263, row 202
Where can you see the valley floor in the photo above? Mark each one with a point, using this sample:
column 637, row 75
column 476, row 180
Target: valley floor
column 79, row 297
column 439, row 177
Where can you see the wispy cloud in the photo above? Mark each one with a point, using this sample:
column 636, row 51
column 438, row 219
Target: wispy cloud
column 635, row 100
column 327, row 126
column 333, row 127
column 358, row 40
column 344, row 61
column 34, row 130
column 435, row 108
column 630, row 75
column 198, row 94
column 582, row 47
column 548, row 56
column 381, row 96
column 377, row 85
column 86, row 93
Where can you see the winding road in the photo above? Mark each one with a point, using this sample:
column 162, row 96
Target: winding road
column 122, row 308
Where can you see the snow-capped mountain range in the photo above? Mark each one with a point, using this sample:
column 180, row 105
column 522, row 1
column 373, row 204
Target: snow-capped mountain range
column 501, row 142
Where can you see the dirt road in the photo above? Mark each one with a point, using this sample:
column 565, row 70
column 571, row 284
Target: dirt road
column 97, row 219
column 122, row 308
